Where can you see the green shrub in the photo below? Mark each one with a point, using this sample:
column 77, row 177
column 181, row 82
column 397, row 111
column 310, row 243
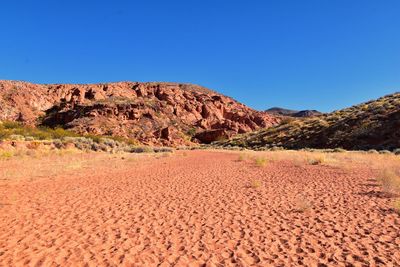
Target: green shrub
column 11, row 125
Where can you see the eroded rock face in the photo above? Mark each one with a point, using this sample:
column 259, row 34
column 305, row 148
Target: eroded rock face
column 153, row 113
column 208, row 136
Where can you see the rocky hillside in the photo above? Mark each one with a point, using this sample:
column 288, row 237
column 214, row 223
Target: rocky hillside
column 371, row 125
column 293, row 113
column 152, row 113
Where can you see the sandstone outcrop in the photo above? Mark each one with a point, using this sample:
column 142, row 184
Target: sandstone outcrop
column 153, row 113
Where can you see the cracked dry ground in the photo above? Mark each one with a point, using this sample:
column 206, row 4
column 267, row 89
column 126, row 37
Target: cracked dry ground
column 197, row 209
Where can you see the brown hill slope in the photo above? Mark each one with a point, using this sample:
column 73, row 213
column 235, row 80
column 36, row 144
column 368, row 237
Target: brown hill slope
column 371, row 125
column 153, row 113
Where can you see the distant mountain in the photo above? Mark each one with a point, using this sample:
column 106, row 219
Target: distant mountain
column 293, row 113
column 153, row 113
column 371, row 125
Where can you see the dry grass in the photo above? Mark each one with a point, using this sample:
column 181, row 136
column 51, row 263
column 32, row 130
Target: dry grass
column 390, row 181
column 317, row 159
column 242, row 157
column 5, row 155
column 347, row 160
column 255, row 184
column 396, row 205
column 30, row 164
column 260, row 161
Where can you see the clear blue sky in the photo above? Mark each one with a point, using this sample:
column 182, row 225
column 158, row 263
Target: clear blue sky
column 317, row 54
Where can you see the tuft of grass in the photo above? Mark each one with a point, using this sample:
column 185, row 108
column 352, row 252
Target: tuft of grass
column 302, row 204
column 255, row 184
column 261, row 161
column 317, row 160
column 396, row 205
column 141, row 149
column 4, row 155
column 390, row 181
column 242, row 157
column 33, row 145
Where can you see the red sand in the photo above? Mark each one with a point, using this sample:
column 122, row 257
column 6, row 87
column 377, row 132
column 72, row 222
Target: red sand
column 198, row 209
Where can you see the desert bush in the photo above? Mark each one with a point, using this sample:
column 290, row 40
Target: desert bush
column 33, row 145
column 8, row 129
column 58, row 143
column 10, row 125
column 396, row 151
column 317, row 160
column 109, row 142
column 387, row 152
column 140, row 149
column 81, row 143
column 163, row 150
column 183, row 148
column 191, row 132
column 99, row 147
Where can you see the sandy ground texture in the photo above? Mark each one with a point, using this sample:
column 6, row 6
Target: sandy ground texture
column 195, row 208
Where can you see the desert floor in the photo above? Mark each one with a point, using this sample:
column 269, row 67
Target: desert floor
column 193, row 208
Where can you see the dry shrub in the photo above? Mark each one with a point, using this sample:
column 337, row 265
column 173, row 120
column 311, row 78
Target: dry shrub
column 33, row 145
column 317, row 159
column 302, row 204
column 390, row 181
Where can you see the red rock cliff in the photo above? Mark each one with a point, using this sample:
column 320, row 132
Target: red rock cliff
column 153, row 113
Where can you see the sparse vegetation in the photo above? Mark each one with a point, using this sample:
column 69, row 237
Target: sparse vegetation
column 32, row 138
column 366, row 126
column 390, row 182
column 317, row 159
column 256, row 184
column 261, row 161
column 4, row 155
column 396, row 205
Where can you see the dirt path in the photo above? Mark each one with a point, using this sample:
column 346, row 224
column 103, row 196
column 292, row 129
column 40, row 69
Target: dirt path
column 202, row 208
